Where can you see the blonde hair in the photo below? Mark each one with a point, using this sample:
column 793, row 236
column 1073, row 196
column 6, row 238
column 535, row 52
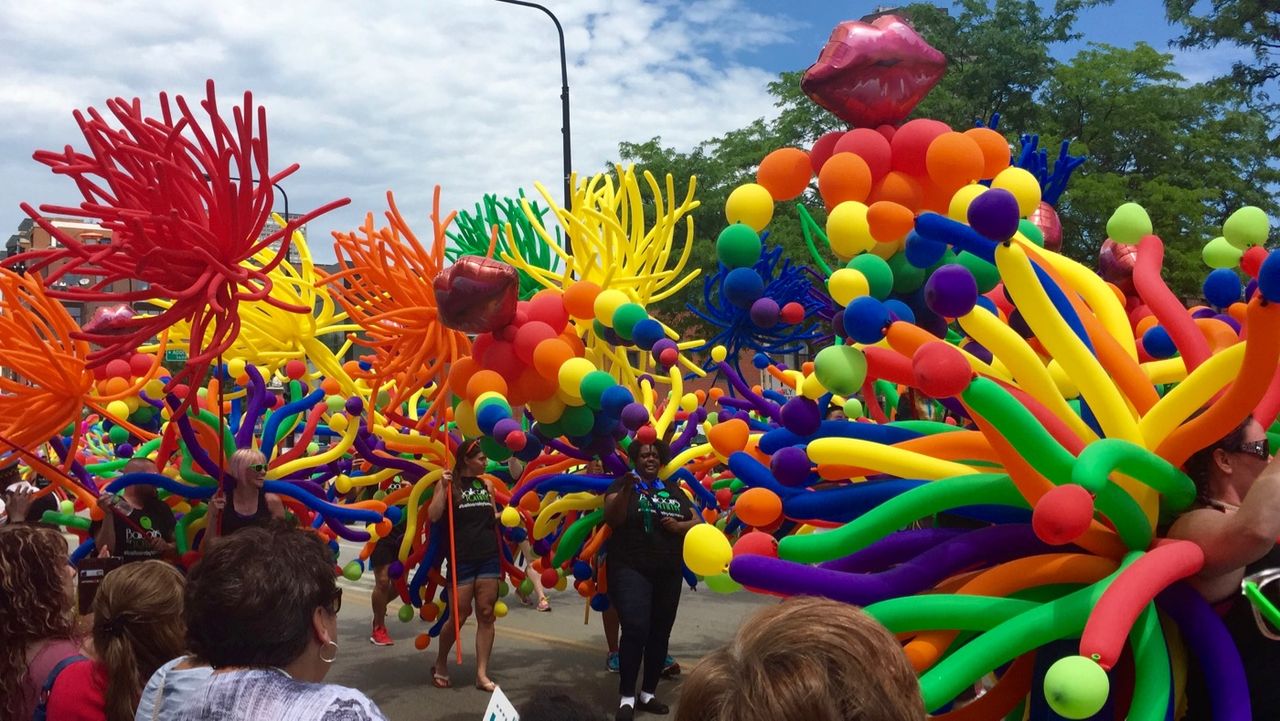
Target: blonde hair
column 806, row 659
column 137, row 628
column 240, row 461
column 35, row 604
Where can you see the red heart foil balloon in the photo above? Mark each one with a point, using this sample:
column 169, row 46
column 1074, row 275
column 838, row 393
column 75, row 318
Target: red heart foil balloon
column 870, row 74
column 1046, row 219
column 477, row 295
column 1115, row 264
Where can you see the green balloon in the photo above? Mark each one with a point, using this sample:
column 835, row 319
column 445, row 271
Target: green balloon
column 144, row 414
column 352, row 571
column 626, row 317
column 906, row 277
column 525, row 588
column 494, row 450
column 593, row 385
column 577, row 420
column 118, row 435
column 983, row 272
column 1129, row 223
column 877, row 272
column 721, row 583
column 1076, row 687
column 313, row 448
column 853, row 408
column 503, row 589
column 738, row 246
column 405, row 614
column 71, row 428
column 840, row 369
column 1220, row 253
column 1247, row 226
column 1031, row 232
column 335, row 403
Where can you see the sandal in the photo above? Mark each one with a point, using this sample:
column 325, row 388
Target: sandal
column 544, row 605
column 440, row 680
column 486, row 686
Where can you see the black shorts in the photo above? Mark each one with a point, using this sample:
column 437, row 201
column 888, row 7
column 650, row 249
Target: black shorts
column 385, row 551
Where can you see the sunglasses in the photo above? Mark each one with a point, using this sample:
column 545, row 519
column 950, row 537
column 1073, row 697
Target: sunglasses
column 1259, row 449
column 1265, row 613
column 258, row 468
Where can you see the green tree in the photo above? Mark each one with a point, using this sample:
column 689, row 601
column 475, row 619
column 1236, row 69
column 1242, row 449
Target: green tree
column 1252, row 24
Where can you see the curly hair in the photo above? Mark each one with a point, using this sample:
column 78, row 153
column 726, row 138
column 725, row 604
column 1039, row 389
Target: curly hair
column 137, row 628
column 663, row 450
column 35, row 604
column 250, row 606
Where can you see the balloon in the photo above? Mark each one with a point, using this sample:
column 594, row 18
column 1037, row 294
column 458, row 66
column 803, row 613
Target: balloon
column 843, row 178
column 994, row 214
column 547, row 306
column 940, row 370
column 846, row 284
column 764, row 312
column 477, row 295
column 848, row 230
column 1046, row 221
column 951, row 291
column 1076, row 687
column 738, row 246
column 871, row 147
column 625, row 318
column 911, row 144
column 888, row 221
column 571, row 375
column 876, row 271
column 750, row 204
column 865, row 320
column 958, row 207
column 706, row 551
column 580, row 298
column 743, row 286
column 823, row 148
column 1116, row 262
column 1222, row 287
column 954, row 159
column 840, row 369
column 873, row 73
column 1024, row 187
column 1247, row 226
column 995, row 150
column 758, row 507
column 1129, row 224
column 897, row 187
column 785, row 173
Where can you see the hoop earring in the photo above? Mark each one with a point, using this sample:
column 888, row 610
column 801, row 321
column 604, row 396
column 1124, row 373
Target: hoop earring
column 334, row 656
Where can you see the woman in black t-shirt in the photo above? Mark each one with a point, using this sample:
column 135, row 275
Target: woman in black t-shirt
column 648, row 516
column 477, row 565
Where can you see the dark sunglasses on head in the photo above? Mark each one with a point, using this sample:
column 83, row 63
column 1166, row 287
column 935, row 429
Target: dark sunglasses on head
column 1259, row 449
column 335, row 601
column 258, row 468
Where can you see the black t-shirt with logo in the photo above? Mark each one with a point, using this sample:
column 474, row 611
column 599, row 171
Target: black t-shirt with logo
column 641, row 542
column 476, row 537
column 156, row 520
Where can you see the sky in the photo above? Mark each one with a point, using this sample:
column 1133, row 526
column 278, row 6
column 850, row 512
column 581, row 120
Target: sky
column 402, row 95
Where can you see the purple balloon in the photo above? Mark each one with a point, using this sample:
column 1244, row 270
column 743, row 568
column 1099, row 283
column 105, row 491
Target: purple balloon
column 801, row 416
column 635, row 415
column 979, row 351
column 764, row 312
column 994, row 214
column 790, row 466
column 951, row 291
column 1204, row 313
column 662, row 345
column 1235, row 324
column 355, row 406
column 505, row 426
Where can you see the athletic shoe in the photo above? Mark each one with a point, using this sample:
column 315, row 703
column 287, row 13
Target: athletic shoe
column 670, row 668
column 380, row 637
column 613, row 663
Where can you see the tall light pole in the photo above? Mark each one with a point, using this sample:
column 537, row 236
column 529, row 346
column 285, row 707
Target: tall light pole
column 564, row 97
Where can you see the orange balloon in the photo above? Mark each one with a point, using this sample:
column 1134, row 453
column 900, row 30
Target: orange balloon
column 954, row 159
column 758, row 507
column 531, row 386
column 785, row 173
column 484, row 381
column 996, row 154
column 729, row 436
column 1145, row 325
column 701, row 395
column 572, row 340
column 844, row 176
column 1237, row 311
column 330, row 386
column 935, row 198
column 460, row 372
column 889, row 221
column 529, row 503
column 580, row 299
column 550, row 355
column 898, row 187
column 715, row 393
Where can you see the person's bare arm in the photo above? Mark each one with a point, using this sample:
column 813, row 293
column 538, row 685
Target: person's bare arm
column 217, row 505
column 444, row 488
column 1232, row 541
column 106, row 535
column 616, row 504
column 275, row 505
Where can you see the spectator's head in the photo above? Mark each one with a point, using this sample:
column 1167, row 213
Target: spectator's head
column 469, row 460
column 557, row 706
column 1235, row 460
column 141, row 465
column 137, row 628
column 648, row 458
column 265, row 597
column 835, row 413
column 806, row 659
column 36, row 586
column 248, row 466
column 595, row 466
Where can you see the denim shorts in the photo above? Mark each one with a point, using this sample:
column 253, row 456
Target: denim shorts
column 472, row 572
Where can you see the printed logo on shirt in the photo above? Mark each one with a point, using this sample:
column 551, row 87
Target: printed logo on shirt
column 475, row 496
column 662, row 503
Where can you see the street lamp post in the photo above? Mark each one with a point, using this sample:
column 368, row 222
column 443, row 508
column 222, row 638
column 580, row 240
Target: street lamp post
column 277, row 187
column 564, row 96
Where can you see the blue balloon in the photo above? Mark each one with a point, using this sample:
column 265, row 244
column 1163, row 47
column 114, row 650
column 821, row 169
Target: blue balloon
column 1157, row 343
column 989, row 304
column 489, row 416
column 865, row 319
column 742, row 286
column 1222, row 287
column 647, row 332
column 1269, row 277
column 760, row 361
column 614, row 399
column 901, row 310
column 922, row 252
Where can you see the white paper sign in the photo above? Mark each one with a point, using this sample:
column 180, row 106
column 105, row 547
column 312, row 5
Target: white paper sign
column 500, row 708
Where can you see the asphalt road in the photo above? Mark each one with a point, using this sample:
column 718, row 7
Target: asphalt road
column 534, row 653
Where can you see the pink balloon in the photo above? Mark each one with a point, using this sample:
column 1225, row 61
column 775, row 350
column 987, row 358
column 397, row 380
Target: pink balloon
column 1115, row 264
column 869, row 74
column 477, row 295
column 1046, row 219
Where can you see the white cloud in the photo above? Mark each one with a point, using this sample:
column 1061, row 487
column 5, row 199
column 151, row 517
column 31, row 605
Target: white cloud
column 401, row 94
column 1200, row 64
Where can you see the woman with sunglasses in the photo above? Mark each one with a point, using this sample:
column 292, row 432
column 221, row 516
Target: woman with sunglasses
column 262, row 610
column 1236, row 521
column 250, row 504
column 477, row 565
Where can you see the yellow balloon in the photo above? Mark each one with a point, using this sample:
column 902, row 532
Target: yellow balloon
column 812, row 388
column 719, row 353
column 848, row 231
column 547, row 411
column 562, row 584
column 888, row 250
column 118, row 409
column 510, row 517
column 465, row 416
column 688, row 403
column 706, row 551
column 500, row 609
column 959, row 208
column 846, row 285
column 882, row 458
column 235, row 367
column 154, row 389
column 607, row 303
column 1024, row 187
column 750, row 205
column 571, row 375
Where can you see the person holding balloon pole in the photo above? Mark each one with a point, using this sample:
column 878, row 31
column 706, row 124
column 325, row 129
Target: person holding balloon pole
column 251, row 506
column 649, row 517
column 475, row 565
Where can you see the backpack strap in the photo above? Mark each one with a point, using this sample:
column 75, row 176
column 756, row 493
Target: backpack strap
column 42, row 704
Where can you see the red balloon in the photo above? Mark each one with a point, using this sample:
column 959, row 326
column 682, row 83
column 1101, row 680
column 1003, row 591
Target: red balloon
column 295, row 369
column 550, row 578
column 1251, row 261
column 547, row 306
column 501, row 357
column 646, row 434
column 792, row 313
column 823, row 148
column 515, row 441
column 1062, row 515
column 940, row 370
column 911, row 144
column 873, row 73
column 477, row 295
column 756, row 543
column 110, row 320
column 118, row 369
column 529, row 335
column 1116, row 262
column 141, row 364
column 872, row 147
column 1046, row 219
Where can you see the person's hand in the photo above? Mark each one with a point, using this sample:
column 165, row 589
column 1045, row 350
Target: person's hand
column 447, row 477
column 160, row 545
column 218, row 502
column 107, row 501
column 19, row 505
column 104, row 552
column 670, row 525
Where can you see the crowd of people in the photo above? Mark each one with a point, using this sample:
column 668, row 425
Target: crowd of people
column 251, row 633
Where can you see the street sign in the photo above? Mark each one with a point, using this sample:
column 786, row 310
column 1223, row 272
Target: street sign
column 175, row 355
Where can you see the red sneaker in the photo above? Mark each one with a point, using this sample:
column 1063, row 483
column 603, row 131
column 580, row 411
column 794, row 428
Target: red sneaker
column 380, row 637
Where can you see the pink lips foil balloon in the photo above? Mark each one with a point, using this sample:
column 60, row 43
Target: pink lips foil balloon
column 477, row 295
column 1046, row 219
column 870, row 74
